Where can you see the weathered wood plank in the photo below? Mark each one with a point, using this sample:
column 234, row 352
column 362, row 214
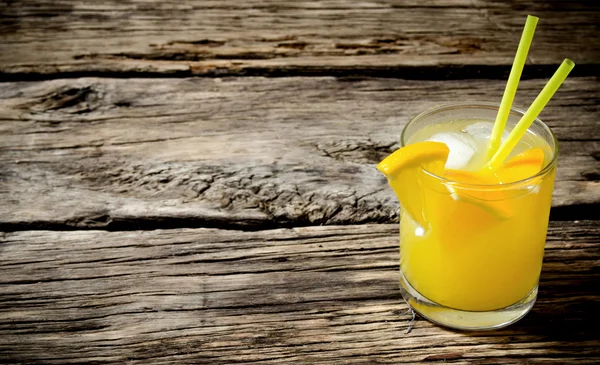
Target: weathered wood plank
column 319, row 295
column 251, row 152
column 413, row 39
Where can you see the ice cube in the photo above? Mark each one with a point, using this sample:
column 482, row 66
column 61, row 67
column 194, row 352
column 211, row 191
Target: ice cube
column 462, row 148
column 482, row 130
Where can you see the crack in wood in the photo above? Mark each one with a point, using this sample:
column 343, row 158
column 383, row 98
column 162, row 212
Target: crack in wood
column 361, row 151
column 236, row 69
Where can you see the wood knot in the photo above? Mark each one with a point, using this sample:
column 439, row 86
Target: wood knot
column 293, row 45
column 591, row 174
column 73, row 100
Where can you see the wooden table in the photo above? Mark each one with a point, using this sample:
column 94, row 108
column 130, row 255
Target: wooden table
column 195, row 182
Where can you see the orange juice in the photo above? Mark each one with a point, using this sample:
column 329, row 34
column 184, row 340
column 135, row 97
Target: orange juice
column 471, row 246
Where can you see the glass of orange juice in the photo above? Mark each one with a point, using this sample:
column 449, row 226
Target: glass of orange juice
column 471, row 249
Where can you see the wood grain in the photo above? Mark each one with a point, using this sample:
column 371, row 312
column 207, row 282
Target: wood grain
column 409, row 39
column 305, row 295
column 242, row 152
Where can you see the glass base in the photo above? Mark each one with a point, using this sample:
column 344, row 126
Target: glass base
column 465, row 320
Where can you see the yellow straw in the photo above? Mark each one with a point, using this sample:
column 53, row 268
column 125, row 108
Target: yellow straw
column 534, row 110
column 511, row 85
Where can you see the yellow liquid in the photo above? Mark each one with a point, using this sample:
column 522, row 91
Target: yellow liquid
column 470, row 256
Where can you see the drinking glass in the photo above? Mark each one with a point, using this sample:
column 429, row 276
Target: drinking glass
column 476, row 265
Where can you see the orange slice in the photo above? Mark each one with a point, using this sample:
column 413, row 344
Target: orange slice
column 521, row 166
column 494, row 199
column 470, row 177
column 489, row 198
column 404, row 169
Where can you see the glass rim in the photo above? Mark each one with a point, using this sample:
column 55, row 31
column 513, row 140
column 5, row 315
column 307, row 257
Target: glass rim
column 487, row 105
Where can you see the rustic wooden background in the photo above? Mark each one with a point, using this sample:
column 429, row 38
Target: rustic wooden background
column 194, row 181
